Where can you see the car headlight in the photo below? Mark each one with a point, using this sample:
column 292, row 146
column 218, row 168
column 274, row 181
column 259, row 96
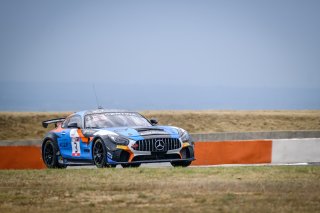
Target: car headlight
column 184, row 136
column 119, row 139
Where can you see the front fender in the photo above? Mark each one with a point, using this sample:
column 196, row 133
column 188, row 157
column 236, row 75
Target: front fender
column 111, row 146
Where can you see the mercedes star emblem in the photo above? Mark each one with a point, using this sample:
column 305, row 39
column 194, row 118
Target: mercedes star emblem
column 159, row 145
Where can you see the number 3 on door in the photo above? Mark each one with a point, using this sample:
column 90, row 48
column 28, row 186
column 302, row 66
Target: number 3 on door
column 75, row 143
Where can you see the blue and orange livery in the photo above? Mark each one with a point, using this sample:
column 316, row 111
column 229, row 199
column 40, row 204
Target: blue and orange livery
column 107, row 138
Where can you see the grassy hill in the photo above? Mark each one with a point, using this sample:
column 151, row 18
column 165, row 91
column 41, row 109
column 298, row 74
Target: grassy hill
column 27, row 125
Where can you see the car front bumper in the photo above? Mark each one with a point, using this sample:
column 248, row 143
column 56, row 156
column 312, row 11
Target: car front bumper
column 126, row 154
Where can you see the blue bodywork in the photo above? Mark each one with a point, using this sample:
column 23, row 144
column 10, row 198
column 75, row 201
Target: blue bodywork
column 76, row 143
column 64, row 140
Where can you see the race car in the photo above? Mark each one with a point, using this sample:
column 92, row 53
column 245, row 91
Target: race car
column 107, row 138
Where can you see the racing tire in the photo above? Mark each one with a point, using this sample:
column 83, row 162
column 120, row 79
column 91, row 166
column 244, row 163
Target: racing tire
column 99, row 153
column 131, row 165
column 181, row 163
column 49, row 155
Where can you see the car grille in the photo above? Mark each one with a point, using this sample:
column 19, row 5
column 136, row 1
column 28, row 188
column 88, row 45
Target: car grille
column 157, row 144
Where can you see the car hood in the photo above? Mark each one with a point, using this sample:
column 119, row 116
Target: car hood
column 138, row 133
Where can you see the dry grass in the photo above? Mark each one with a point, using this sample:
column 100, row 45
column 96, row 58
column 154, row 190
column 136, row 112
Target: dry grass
column 239, row 121
column 230, row 189
column 24, row 125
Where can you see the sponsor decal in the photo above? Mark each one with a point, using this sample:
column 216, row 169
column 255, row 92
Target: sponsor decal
column 75, row 143
column 153, row 132
column 109, row 155
column 122, row 113
column 64, row 144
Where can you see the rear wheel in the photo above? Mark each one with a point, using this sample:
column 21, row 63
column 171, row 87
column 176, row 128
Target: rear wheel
column 50, row 155
column 181, row 163
column 99, row 155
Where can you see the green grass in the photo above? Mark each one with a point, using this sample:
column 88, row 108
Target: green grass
column 218, row 189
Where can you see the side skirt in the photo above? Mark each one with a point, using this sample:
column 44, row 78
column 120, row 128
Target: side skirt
column 77, row 162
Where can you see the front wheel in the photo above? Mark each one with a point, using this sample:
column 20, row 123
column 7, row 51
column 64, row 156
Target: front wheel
column 99, row 155
column 181, row 163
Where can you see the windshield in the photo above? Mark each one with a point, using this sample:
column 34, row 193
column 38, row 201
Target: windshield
column 115, row 119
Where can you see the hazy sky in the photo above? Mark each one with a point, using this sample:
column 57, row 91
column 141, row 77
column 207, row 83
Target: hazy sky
column 172, row 44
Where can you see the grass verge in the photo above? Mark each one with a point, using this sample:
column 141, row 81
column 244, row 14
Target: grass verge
column 217, row 189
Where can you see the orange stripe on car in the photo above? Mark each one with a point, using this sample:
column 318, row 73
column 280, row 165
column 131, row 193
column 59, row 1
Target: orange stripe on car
column 126, row 148
column 83, row 138
column 185, row 144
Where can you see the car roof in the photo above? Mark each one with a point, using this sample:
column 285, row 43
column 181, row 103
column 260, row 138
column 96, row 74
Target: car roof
column 95, row 111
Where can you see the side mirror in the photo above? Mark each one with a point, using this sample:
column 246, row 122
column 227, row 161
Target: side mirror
column 153, row 121
column 73, row 125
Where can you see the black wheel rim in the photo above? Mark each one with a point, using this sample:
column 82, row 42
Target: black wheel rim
column 48, row 154
column 98, row 153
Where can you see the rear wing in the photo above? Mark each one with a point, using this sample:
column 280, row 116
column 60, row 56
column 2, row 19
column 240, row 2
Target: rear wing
column 52, row 121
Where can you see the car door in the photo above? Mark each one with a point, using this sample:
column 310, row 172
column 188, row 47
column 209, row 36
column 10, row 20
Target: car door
column 71, row 143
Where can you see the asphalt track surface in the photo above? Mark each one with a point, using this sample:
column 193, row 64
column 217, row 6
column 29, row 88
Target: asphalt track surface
column 168, row 165
column 146, row 165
